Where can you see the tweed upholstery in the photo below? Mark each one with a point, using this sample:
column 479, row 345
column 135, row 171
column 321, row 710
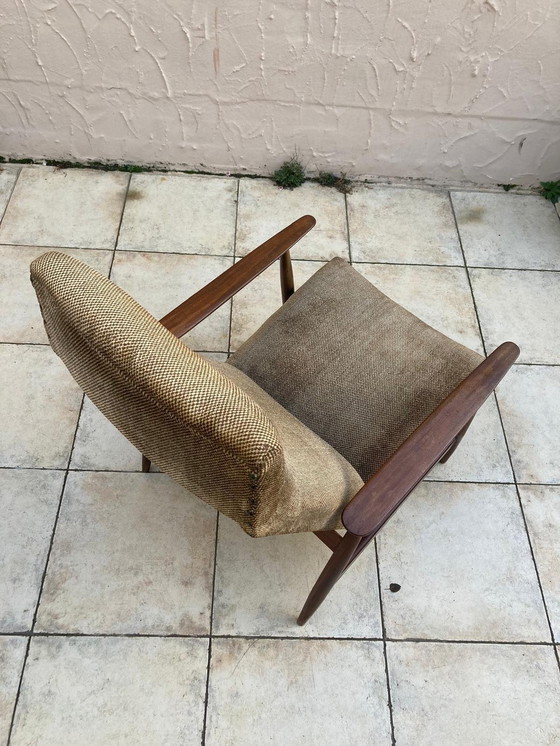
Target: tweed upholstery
column 208, row 426
column 353, row 365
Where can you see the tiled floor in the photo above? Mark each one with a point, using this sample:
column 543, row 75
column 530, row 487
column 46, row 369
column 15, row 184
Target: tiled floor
column 130, row 615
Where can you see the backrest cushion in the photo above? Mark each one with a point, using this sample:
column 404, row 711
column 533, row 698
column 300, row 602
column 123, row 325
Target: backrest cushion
column 176, row 407
column 171, row 403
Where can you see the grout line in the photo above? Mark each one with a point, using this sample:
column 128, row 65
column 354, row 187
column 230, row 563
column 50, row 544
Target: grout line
column 137, row 471
column 209, row 661
column 384, row 637
column 46, row 344
column 529, row 541
column 348, row 229
column 117, row 236
column 307, row 259
column 5, row 210
column 108, row 248
column 272, row 638
column 234, row 253
column 468, row 275
column 44, row 575
column 545, row 607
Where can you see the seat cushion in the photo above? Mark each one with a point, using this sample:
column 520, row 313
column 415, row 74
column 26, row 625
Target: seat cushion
column 218, row 435
column 354, row 366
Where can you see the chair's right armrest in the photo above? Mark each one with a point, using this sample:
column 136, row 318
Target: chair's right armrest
column 382, row 494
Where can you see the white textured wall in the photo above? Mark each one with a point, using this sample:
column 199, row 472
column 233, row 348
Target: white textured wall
column 450, row 90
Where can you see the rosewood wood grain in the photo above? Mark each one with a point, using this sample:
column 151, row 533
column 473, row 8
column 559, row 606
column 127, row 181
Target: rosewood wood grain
column 331, row 538
column 333, row 571
column 286, row 276
column 382, row 494
column 200, row 305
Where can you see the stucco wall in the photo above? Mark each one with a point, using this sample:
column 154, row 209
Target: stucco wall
column 450, row 90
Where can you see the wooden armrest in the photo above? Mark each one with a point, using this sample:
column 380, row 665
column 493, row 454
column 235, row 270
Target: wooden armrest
column 382, row 494
column 200, row 305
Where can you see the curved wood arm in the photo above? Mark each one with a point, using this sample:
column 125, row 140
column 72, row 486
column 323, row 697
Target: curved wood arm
column 200, row 305
column 382, row 494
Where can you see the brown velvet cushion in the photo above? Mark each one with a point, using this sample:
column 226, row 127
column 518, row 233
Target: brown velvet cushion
column 353, row 365
column 207, row 426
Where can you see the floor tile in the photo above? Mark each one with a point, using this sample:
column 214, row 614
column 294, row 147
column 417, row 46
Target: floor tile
column 312, row 692
column 180, row 213
column 261, row 298
column 474, row 695
column 20, row 316
column 160, row 282
column 264, row 209
column 38, row 408
column 542, row 511
column 75, row 208
column 12, row 653
column 523, row 307
column 514, row 231
column 530, row 407
column 440, row 296
column 100, row 446
column 133, row 553
column 28, row 505
column 261, row 585
column 482, row 455
column 461, row 556
column 410, row 226
column 8, row 176
column 103, row 691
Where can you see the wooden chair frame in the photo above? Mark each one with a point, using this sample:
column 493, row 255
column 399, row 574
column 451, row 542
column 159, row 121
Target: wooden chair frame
column 433, row 441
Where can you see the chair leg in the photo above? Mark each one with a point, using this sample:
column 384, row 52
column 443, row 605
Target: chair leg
column 453, row 447
column 333, row 570
column 146, row 463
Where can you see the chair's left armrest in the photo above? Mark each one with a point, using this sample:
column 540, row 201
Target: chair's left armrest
column 382, row 494
column 200, row 305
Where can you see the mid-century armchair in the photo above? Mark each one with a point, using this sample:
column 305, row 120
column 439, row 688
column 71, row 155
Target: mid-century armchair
column 325, row 419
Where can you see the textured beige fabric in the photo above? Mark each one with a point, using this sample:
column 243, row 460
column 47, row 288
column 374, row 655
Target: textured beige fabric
column 354, row 366
column 182, row 412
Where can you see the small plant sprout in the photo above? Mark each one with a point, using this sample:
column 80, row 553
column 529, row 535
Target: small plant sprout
column 341, row 182
column 551, row 190
column 290, row 174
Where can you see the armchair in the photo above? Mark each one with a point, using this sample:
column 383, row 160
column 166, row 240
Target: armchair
column 325, row 419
